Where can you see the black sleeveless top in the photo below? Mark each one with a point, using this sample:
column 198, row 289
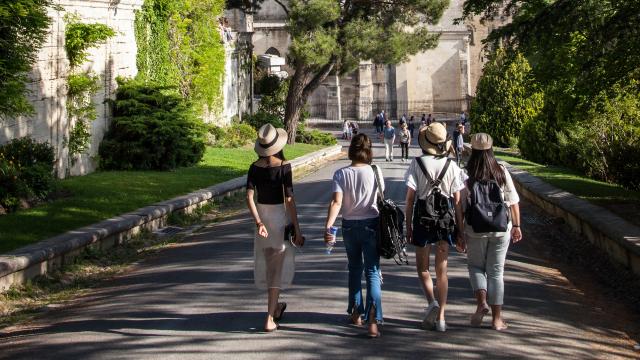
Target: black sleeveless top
column 268, row 182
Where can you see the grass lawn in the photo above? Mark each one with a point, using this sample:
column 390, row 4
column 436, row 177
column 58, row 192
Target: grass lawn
column 625, row 203
column 102, row 195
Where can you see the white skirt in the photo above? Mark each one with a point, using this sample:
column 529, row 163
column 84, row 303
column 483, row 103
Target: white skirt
column 274, row 259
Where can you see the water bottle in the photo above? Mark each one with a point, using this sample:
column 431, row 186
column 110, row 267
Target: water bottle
column 334, row 232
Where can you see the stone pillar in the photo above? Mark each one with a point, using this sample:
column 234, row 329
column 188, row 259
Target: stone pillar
column 465, row 74
column 365, row 91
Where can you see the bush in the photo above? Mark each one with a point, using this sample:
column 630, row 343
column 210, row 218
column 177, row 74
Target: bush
column 26, row 172
column 507, row 98
column 233, row 136
column 261, row 118
column 314, row 137
column 606, row 144
column 153, row 128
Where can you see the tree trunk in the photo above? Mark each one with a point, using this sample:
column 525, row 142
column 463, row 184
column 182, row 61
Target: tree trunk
column 303, row 83
column 295, row 103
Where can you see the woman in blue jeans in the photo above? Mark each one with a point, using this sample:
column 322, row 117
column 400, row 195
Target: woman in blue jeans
column 355, row 191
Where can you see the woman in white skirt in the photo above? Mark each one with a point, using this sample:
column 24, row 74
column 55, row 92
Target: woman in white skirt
column 270, row 176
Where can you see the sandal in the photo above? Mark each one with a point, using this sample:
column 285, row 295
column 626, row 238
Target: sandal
column 283, row 307
column 355, row 319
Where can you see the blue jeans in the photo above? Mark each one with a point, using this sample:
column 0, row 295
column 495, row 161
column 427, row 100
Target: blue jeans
column 362, row 252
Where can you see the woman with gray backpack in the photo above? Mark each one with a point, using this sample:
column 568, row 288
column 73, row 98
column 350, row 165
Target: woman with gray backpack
column 492, row 220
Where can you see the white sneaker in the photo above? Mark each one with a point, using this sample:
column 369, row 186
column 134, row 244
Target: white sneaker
column 430, row 315
column 441, row 326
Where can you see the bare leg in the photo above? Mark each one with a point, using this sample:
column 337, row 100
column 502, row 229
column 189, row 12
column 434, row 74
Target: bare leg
column 442, row 256
column 498, row 323
column 482, row 308
column 422, row 266
column 274, row 294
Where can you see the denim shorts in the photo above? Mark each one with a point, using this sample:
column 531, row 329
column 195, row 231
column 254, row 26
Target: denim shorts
column 422, row 237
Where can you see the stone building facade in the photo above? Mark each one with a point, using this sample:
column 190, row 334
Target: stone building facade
column 440, row 80
column 117, row 57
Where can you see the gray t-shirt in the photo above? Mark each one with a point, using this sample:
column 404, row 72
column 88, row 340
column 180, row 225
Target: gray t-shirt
column 357, row 185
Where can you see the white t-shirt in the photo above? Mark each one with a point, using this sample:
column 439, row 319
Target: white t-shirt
column 452, row 182
column 358, row 188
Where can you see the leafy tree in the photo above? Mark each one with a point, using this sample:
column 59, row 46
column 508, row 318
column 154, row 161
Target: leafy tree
column 584, row 56
column 23, row 29
column 507, row 97
column 334, row 36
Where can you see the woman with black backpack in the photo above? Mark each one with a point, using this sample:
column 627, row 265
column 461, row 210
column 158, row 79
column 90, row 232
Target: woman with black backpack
column 434, row 183
column 355, row 189
column 492, row 219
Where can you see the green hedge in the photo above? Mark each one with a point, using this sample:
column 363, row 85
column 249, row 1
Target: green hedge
column 235, row 135
column 153, row 128
column 26, row 172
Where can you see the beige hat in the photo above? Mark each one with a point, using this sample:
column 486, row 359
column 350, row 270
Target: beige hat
column 481, row 141
column 433, row 139
column 270, row 140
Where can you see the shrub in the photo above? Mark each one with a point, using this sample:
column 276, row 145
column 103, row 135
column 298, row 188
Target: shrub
column 606, row 143
column 314, row 137
column 507, row 98
column 236, row 135
column 26, row 172
column 260, row 118
column 153, row 128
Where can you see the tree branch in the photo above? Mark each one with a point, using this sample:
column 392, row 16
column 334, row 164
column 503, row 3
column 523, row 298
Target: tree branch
column 318, row 78
column 283, row 6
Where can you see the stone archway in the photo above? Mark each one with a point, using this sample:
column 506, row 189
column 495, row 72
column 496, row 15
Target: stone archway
column 273, row 51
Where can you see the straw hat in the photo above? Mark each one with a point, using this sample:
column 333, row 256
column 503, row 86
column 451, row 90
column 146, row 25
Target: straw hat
column 270, row 140
column 433, row 139
column 481, row 141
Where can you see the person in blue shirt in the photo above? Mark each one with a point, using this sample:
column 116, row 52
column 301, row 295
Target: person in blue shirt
column 389, row 133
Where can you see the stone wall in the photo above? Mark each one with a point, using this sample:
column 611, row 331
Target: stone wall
column 48, row 79
column 117, row 57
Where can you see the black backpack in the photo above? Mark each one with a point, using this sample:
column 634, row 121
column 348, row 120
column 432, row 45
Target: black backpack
column 435, row 213
column 486, row 210
column 391, row 241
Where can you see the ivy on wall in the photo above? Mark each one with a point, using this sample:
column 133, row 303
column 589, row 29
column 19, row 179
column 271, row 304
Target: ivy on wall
column 179, row 45
column 81, row 86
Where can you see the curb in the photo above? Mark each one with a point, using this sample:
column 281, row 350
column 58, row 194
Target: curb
column 614, row 235
column 619, row 238
column 37, row 259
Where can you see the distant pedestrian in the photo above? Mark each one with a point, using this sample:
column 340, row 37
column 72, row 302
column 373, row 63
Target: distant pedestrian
column 486, row 243
column 463, row 118
column 430, row 119
column 403, row 119
column 434, row 216
column 458, row 142
column 346, row 130
column 377, row 123
column 389, row 139
column 274, row 259
column 354, row 127
column 405, row 141
column 411, row 125
column 424, row 118
column 354, row 191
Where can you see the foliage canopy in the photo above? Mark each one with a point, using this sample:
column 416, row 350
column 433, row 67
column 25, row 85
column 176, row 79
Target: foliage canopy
column 334, row 36
column 25, row 24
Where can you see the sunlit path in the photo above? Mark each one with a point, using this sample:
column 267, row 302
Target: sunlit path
column 197, row 301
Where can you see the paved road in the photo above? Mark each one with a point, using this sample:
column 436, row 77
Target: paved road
column 197, row 301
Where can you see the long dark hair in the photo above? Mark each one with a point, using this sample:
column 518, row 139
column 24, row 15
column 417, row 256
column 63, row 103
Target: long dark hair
column 278, row 155
column 483, row 166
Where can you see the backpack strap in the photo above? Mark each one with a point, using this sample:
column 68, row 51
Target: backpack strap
column 442, row 173
column 377, row 181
